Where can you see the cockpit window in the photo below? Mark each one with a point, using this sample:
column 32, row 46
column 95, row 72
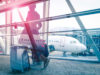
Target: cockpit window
column 72, row 42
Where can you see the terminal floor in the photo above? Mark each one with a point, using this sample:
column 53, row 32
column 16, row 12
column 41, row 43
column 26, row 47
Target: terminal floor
column 56, row 67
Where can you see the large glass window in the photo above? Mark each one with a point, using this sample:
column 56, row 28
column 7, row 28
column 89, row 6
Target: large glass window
column 83, row 5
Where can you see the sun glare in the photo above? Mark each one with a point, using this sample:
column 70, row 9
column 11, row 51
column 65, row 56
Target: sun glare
column 15, row 14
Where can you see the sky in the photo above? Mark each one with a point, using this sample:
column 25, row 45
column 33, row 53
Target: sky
column 60, row 7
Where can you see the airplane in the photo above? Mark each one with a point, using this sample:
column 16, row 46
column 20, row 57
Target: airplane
column 55, row 43
column 65, row 44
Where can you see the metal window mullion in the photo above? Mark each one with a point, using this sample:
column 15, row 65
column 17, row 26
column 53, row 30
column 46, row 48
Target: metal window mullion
column 46, row 6
column 18, row 3
column 8, row 32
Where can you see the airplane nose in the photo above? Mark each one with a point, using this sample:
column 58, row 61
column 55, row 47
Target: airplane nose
column 83, row 47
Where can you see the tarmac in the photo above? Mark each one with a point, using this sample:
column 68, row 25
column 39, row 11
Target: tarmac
column 55, row 67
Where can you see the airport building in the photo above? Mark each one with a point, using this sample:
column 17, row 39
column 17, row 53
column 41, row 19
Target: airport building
column 94, row 34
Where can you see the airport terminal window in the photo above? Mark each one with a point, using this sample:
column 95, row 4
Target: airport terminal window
column 58, row 7
column 24, row 12
column 2, row 18
column 83, row 5
column 89, row 21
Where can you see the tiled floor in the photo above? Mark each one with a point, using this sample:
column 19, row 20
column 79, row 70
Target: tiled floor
column 56, row 67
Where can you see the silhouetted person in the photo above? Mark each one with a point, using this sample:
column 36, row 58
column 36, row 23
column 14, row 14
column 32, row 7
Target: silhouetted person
column 33, row 15
column 35, row 26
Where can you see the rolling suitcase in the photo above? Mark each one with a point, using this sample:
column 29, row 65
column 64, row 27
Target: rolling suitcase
column 19, row 59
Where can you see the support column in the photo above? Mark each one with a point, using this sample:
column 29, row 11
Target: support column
column 8, row 16
column 46, row 23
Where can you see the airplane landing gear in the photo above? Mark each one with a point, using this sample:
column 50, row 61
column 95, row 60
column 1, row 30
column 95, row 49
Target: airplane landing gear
column 64, row 54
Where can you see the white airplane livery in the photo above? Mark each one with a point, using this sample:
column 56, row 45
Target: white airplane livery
column 65, row 44
column 55, row 43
